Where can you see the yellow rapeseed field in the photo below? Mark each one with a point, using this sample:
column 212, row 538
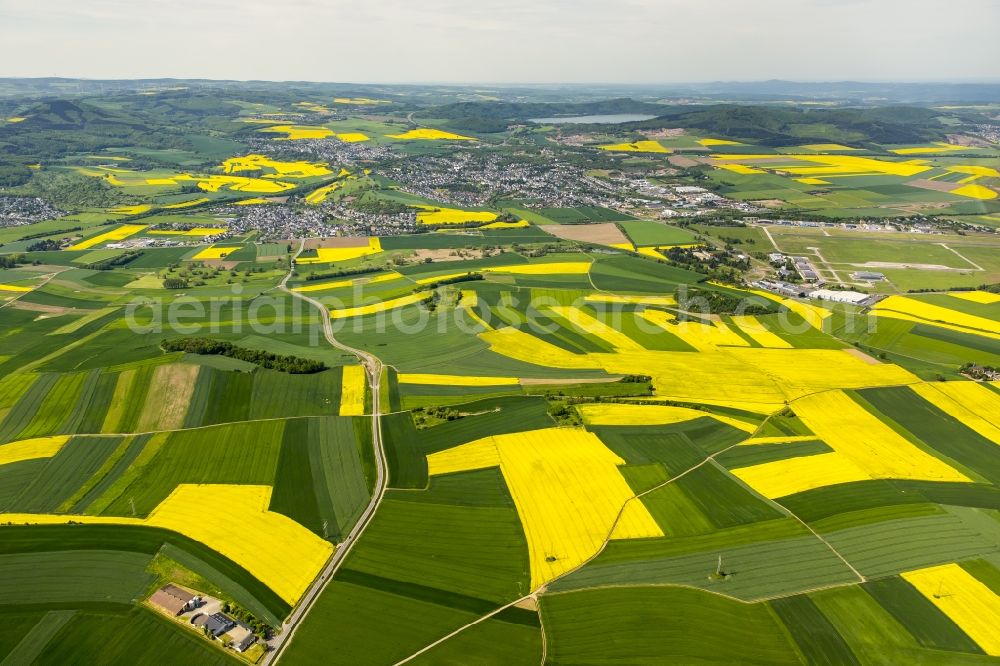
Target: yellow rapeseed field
column 814, row 315
column 813, row 181
column 828, row 147
column 323, row 286
column 718, row 142
column 850, row 429
column 589, row 324
column 300, row 169
column 701, row 336
column 636, row 147
column 982, row 297
column 253, row 201
column 525, row 347
column 615, row 414
column 352, row 391
column 803, row 371
column 756, row 330
column 974, row 404
column 286, row 561
column 779, row 439
column 132, row 210
column 188, row 204
column 714, row 377
column 378, row 279
column 384, row 306
column 967, row 602
column 120, row 233
column 213, row 252
column 297, row 132
column 325, row 255
column 427, row 134
column 30, row 449
column 437, row 215
column 567, row 489
column 934, row 314
column 650, row 252
column 975, row 192
column 352, row 137
column 339, row 284
column 830, row 164
column 15, row 288
column 974, row 170
column 470, row 298
column 631, row 300
column 863, row 448
column 794, row 475
column 320, row 194
column 519, row 224
column 760, row 380
column 740, row 169
column 215, row 183
column 455, row 380
column 367, row 101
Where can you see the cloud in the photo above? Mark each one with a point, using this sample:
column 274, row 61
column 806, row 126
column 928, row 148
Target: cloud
column 503, row 41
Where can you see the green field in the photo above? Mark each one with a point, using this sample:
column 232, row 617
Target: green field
column 643, row 233
column 652, row 626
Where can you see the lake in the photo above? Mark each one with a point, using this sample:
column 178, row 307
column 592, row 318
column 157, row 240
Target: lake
column 609, row 119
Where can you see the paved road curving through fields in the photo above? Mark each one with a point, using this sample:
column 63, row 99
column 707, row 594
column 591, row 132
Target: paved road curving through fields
column 373, row 368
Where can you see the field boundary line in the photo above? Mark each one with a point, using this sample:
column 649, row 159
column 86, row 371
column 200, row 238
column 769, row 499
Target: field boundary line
column 454, row 633
column 688, row 586
column 201, row 427
column 962, row 257
column 541, row 628
column 47, row 278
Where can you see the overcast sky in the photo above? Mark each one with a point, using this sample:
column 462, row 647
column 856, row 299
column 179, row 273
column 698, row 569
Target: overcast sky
column 531, row 41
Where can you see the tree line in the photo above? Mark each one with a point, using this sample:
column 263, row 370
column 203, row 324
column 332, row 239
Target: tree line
column 293, row 365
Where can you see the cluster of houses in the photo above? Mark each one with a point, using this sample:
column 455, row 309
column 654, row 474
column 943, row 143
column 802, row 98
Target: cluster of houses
column 179, row 602
column 19, row 211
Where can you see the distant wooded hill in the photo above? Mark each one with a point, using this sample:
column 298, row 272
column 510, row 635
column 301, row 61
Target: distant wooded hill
column 768, row 125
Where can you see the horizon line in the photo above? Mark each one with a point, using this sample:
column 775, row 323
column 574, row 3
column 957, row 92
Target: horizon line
column 511, row 84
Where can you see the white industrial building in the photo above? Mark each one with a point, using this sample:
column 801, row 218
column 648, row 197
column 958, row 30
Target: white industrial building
column 854, row 297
